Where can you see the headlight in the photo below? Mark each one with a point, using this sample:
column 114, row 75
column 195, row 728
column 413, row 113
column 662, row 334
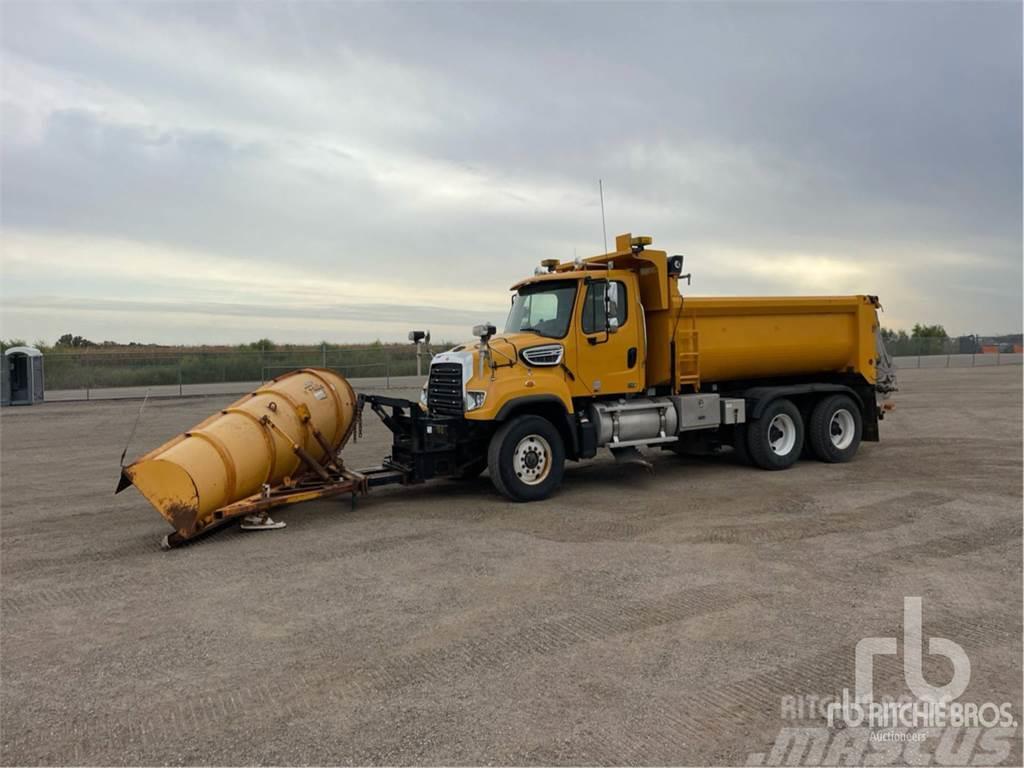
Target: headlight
column 474, row 399
column 423, row 396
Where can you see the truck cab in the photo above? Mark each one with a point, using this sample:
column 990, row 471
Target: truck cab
column 588, row 327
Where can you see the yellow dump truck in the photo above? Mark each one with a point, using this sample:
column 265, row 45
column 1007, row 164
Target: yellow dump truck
column 603, row 352
column 606, row 353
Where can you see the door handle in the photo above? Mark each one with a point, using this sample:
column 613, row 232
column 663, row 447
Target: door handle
column 631, row 357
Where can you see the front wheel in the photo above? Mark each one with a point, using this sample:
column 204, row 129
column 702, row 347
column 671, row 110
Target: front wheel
column 526, row 459
column 775, row 440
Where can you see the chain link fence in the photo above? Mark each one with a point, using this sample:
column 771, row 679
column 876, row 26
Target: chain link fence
column 104, row 374
column 908, row 346
column 954, row 352
column 99, row 374
column 974, row 360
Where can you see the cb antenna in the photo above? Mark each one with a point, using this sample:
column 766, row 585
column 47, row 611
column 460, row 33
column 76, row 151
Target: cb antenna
column 604, row 229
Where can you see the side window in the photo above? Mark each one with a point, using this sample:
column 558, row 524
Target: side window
column 594, row 303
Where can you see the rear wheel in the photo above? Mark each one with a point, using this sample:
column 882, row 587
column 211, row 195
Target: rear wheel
column 834, row 430
column 526, row 459
column 775, row 440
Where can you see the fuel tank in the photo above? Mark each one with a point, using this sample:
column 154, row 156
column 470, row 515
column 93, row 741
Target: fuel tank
column 257, row 441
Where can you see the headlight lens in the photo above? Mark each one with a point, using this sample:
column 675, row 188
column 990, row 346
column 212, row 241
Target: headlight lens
column 423, row 396
column 474, row 399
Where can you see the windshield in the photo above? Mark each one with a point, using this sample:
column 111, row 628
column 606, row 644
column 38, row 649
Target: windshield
column 543, row 308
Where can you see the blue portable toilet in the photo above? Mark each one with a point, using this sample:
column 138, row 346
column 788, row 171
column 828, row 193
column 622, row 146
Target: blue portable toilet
column 22, row 374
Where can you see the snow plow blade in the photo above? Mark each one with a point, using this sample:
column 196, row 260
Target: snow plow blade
column 277, row 445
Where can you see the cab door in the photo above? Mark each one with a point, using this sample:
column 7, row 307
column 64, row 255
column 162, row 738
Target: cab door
column 610, row 353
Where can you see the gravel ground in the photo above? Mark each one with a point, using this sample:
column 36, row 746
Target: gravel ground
column 633, row 618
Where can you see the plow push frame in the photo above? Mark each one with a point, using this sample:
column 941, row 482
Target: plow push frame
column 424, row 447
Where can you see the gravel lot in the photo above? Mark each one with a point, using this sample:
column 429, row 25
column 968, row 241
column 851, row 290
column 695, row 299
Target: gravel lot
column 633, row 618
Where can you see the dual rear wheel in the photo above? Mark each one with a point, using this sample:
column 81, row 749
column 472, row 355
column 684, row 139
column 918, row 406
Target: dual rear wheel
column 775, row 441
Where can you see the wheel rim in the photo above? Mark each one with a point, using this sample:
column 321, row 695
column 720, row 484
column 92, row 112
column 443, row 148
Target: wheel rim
column 841, row 429
column 531, row 459
column 782, row 434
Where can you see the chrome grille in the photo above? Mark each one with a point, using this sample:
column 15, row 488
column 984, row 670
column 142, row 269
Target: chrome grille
column 444, row 388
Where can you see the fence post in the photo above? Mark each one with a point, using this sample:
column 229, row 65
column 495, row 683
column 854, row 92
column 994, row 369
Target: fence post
column 179, row 377
column 88, row 377
column 947, row 361
column 323, row 354
column 387, row 369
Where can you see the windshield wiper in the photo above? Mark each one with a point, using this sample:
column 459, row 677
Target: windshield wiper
column 531, row 329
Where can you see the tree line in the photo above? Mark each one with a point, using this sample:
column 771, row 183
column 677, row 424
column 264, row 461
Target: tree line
column 919, row 331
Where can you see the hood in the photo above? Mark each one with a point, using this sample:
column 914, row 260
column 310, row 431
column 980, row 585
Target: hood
column 505, row 348
column 509, row 344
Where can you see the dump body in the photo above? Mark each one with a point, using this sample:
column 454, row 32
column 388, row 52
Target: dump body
column 744, row 339
column 257, row 442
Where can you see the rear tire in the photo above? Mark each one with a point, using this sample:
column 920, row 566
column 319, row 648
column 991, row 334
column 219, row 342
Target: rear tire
column 834, row 430
column 526, row 459
column 775, row 440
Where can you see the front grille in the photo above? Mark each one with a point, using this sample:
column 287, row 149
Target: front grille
column 444, row 388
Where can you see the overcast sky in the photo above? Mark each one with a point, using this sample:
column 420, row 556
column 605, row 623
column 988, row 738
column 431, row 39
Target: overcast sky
column 306, row 171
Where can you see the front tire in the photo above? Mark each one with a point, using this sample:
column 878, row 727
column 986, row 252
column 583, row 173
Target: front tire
column 775, row 440
column 526, row 459
column 834, row 430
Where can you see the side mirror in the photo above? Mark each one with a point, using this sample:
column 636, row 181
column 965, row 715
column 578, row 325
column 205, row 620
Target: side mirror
column 611, row 304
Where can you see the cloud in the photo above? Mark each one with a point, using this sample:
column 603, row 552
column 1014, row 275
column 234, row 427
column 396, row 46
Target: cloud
column 175, row 291
column 308, row 155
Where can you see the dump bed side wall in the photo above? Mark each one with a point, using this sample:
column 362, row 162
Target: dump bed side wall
column 751, row 338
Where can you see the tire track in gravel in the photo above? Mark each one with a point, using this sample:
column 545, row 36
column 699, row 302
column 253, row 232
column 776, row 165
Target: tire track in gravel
column 894, row 512
column 292, row 692
column 753, row 704
column 125, row 589
column 901, row 558
column 662, row 736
